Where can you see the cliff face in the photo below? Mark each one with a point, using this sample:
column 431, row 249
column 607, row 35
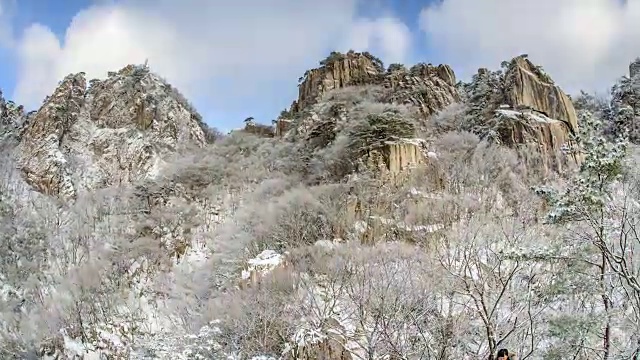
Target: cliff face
column 530, row 110
column 119, row 130
column 544, row 136
column 428, row 87
column 395, row 160
column 44, row 161
column 400, row 155
column 116, row 131
column 527, row 86
column 338, row 72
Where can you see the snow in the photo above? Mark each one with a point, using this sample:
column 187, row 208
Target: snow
column 360, row 226
column 328, row 244
column 265, row 262
column 73, row 347
column 413, row 228
column 526, row 114
column 425, row 195
column 195, row 257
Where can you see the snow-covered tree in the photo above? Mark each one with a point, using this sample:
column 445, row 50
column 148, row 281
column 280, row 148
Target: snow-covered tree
column 625, row 105
column 585, row 205
column 483, row 93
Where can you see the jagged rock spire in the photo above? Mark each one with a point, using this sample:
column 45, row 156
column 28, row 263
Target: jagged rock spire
column 634, row 67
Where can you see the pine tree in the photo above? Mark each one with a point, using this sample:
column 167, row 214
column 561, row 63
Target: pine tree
column 586, row 202
column 483, row 93
column 625, row 106
column 590, row 190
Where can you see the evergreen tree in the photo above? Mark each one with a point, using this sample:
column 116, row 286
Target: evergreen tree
column 585, row 205
column 625, row 106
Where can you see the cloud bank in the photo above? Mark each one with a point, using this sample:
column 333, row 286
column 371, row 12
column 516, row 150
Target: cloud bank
column 583, row 44
column 228, row 55
column 210, row 49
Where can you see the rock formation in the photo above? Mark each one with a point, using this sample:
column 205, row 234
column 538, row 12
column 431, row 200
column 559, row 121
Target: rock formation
column 255, row 128
column 545, row 136
column 116, row 131
column 11, row 115
column 428, row 87
column 625, row 104
column 396, row 158
column 526, row 85
column 337, row 71
column 267, row 263
column 525, row 108
column 424, row 89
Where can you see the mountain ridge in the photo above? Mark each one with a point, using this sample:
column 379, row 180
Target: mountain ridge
column 381, row 216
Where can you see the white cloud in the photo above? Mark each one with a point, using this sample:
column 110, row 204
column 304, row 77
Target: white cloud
column 215, row 49
column 6, row 16
column 386, row 36
column 583, row 44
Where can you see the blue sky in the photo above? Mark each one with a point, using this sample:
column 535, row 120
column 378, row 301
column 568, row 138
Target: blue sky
column 243, row 58
column 55, row 14
column 264, row 105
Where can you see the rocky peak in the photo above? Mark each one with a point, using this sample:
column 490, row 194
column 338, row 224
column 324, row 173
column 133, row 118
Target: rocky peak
column 425, row 87
column 335, row 72
column 118, row 130
column 134, row 97
column 12, row 119
column 59, row 111
column 527, row 85
column 428, row 87
column 625, row 104
column 443, row 72
column 523, row 106
column 634, row 68
column 10, row 113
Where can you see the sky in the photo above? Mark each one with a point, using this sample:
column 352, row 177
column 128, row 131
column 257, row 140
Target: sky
column 241, row 58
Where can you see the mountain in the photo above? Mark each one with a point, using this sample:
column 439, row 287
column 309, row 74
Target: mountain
column 115, row 131
column 388, row 213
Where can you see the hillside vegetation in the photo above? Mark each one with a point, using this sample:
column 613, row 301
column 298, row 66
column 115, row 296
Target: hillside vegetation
column 400, row 214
